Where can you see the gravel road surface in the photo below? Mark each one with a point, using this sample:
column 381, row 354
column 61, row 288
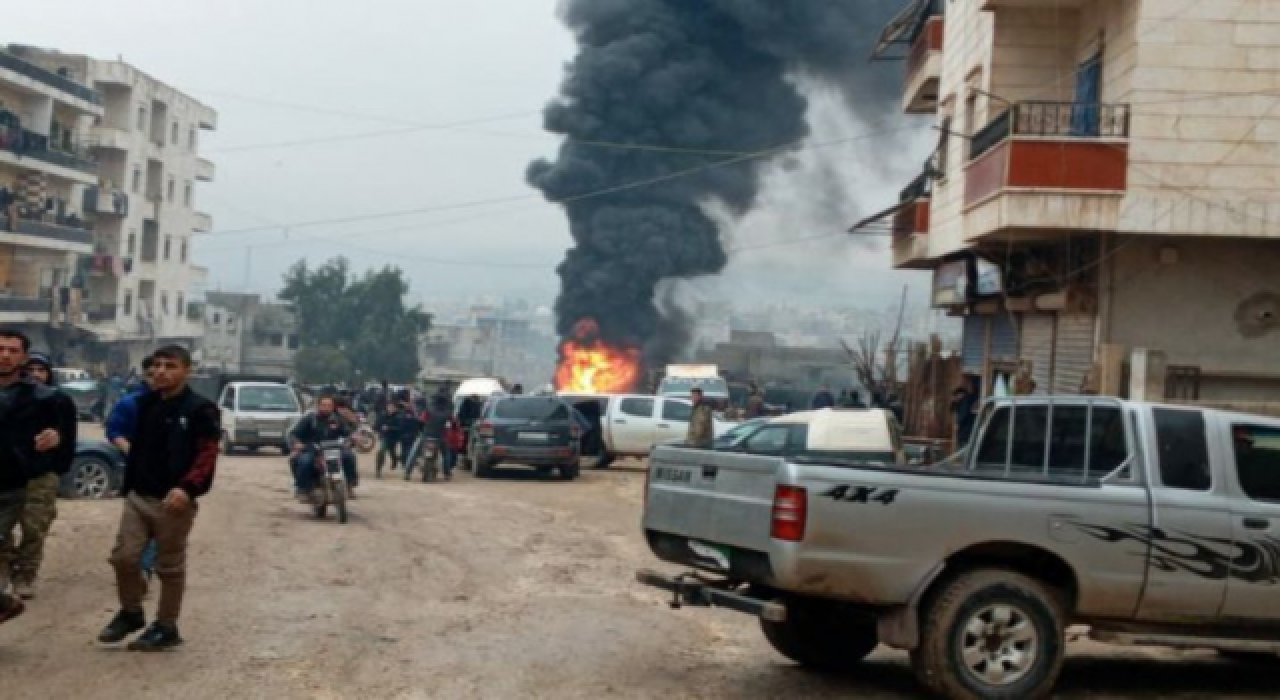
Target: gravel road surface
column 504, row 588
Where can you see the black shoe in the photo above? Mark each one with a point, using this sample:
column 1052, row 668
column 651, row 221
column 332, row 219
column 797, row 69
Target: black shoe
column 10, row 608
column 158, row 637
column 122, row 625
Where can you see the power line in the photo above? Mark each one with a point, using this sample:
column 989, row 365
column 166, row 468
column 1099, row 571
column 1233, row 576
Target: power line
column 793, row 146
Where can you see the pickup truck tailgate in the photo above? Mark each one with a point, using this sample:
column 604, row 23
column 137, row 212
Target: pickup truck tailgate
column 710, row 498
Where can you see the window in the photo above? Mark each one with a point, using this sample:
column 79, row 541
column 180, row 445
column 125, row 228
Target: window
column 184, row 252
column 771, row 440
column 142, row 118
column 217, row 318
column 678, row 411
column 173, row 134
column 186, row 194
column 137, row 180
column 531, row 409
column 180, row 305
column 132, row 246
column 171, row 190
column 168, row 246
column 276, row 340
column 640, row 408
column 191, row 138
column 1183, row 449
column 293, row 341
column 1076, row 451
column 1257, row 450
column 229, row 399
column 128, row 304
column 164, row 303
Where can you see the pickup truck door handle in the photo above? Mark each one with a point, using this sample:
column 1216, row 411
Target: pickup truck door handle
column 663, row 425
column 1257, row 523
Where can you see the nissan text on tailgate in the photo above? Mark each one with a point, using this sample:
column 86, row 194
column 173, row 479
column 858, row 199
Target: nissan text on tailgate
column 1150, row 524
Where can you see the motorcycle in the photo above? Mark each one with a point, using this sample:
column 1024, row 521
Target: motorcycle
column 365, row 440
column 425, row 453
column 331, row 483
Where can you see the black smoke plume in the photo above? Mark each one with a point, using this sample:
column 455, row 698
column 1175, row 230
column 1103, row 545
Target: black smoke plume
column 691, row 83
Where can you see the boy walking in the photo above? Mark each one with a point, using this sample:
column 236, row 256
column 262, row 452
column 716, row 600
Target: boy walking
column 171, row 463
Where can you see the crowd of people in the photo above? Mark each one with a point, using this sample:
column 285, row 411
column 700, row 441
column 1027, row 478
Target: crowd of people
column 169, row 436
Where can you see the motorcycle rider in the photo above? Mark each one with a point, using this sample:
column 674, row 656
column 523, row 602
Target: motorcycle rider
column 322, row 424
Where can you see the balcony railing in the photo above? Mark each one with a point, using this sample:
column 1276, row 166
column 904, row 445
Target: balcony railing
column 1076, row 120
column 103, row 313
column 103, row 200
column 24, row 305
column 57, row 232
column 48, row 77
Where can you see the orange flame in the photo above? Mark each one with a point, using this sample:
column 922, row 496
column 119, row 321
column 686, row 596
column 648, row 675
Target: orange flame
column 589, row 365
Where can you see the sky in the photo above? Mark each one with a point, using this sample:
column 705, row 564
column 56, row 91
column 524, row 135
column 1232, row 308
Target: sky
column 414, row 121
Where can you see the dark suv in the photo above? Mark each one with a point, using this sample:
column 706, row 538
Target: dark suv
column 543, row 432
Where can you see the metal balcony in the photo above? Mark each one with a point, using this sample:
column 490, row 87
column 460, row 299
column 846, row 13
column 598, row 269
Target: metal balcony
column 10, row 62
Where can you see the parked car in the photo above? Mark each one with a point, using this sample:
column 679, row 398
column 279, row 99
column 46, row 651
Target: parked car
column 858, row 436
column 1150, row 524
column 97, row 472
column 543, row 432
column 258, row 414
column 88, row 396
column 736, row 435
column 630, row 425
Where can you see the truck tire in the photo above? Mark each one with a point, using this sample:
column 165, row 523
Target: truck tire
column 483, row 468
column 570, row 471
column 602, row 461
column 822, row 638
column 991, row 634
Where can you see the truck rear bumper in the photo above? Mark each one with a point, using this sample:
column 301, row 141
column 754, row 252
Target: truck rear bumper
column 688, row 589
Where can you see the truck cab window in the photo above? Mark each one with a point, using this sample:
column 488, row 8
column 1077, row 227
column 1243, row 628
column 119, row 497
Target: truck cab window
column 769, row 441
column 638, row 408
column 677, row 411
column 1183, row 449
column 229, row 399
column 1257, row 452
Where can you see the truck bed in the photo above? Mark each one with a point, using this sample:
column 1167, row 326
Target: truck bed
column 872, row 533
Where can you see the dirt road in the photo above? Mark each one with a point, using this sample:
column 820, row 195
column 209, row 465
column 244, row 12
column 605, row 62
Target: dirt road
column 510, row 588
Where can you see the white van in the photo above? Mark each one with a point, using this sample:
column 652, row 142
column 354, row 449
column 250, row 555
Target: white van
column 258, row 414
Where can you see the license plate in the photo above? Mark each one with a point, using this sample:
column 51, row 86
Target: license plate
column 332, row 455
column 540, row 437
column 270, row 433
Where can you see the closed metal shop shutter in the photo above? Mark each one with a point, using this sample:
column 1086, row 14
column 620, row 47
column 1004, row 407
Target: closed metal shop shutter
column 1004, row 337
column 974, row 345
column 1037, row 349
column 1073, row 354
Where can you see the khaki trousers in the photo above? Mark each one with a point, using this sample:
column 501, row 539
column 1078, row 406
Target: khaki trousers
column 142, row 520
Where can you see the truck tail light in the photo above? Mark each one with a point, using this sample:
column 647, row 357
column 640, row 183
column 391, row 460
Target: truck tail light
column 790, row 513
column 485, row 429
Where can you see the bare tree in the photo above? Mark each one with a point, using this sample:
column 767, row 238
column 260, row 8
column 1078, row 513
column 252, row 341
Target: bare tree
column 881, row 378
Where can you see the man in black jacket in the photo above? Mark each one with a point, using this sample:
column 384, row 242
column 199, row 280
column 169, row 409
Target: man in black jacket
column 322, row 425
column 41, row 507
column 171, row 463
column 28, row 430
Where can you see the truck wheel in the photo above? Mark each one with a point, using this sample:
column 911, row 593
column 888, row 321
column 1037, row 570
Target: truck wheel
column 991, row 635
column 602, row 461
column 483, row 468
column 818, row 637
column 570, row 471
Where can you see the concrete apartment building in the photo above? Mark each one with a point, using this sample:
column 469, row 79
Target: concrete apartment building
column 1107, row 180
column 245, row 335
column 44, row 170
column 137, row 142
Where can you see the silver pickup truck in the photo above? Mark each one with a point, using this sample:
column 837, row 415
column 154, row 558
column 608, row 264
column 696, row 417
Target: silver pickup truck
column 1150, row 524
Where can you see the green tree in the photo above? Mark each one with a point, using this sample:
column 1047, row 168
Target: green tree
column 321, row 365
column 364, row 319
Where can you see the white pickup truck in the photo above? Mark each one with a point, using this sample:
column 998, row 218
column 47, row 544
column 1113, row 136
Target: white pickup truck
column 630, row 425
column 1150, row 524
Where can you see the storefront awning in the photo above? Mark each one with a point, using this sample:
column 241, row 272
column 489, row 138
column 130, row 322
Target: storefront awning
column 862, row 226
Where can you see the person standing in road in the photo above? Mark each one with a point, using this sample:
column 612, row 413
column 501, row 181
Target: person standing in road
column 702, row 431
column 41, row 507
column 755, row 402
column 388, row 427
column 28, row 432
column 171, row 463
column 824, row 398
